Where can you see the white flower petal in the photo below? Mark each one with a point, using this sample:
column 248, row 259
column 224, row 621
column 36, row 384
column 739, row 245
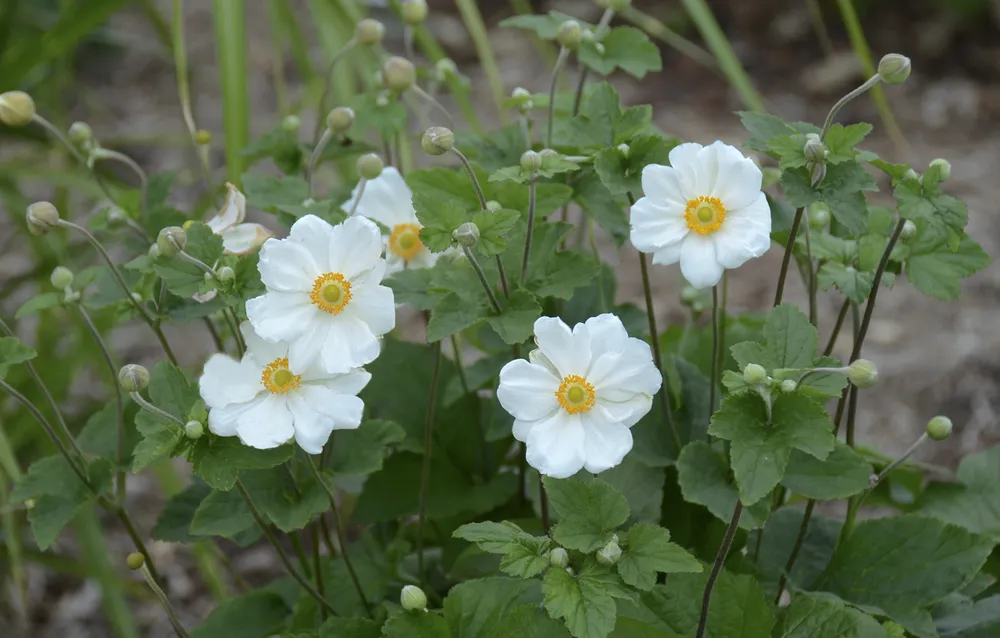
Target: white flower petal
column 233, row 211
column 631, row 371
column 225, row 380
column 606, row 441
column 629, row 410
column 355, row 246
column 698, row 263
column 745, row 234
column 607, row 334
column 522, row 429
column 315, row 235
column 350, row 343
column 318, row 412
column 567, row 350
column 538, row 357
column 686, row 160
column 351, row 383
column 386, row 199
column 287, row 266
column 670, row 254
column 738, row 181
column 304, row 352
column 662, row 184
column 267, row 424
column 244, row 238
column 375, row 306
column 555, row 446
column 224, row 421
column 655, row 225
column 261, row 351
column 527, row 391
column 281, row 316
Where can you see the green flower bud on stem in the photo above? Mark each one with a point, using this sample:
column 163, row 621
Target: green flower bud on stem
column 520, row 95
column 437, row 140
column 788, row 386
column 133, row 377
column 466, row 235
column 414, row 11
column 398, row 74
column 16, row 108
column 819, row 215
column 153, row 252
column 445, row 68
column 412, row 598
column 369, row 32
column 61, row 277
column 909, row 231
column 570, row 35
column 370, row 166
column 754, row 374
column 559, row 557
column 291, row 123
column 340, row 119
column 493, row 206
column 894, row 68
column 225, row 275
column 531, row 161
column 135, row 561
column 689, row 295
column 610, row 553
column 171, row 241
column 939, row 428
column 42, row 217
column 194, row 430
column 81, row 134
column 202, row 137
column 815, row 150
column 911, row 174
column 942, row 166
column 862, row 373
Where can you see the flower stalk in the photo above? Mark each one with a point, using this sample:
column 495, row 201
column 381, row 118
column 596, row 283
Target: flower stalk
column 425, row 472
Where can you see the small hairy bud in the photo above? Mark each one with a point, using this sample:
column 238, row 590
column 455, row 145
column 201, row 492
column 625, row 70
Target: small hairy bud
column 81, row 134
column 291, row 123
column 202, row 137
column 548, row 152
column 42, row 217
column 894, row 68
column 623, row 149
column 398, row 73
column 909, row 231
column 133, row 377
column 570, row 35
column 493, row 205
column 116, row 215
column 943, row 168
column 153, row 252
column 610, row 553
column 815, row 150
column 171, row 241
column 788, row 385
column 194, row 430
column 754, row 374
column 340, row 119
column 135, row 561
column 16, row 108
column 226, row 274
column 911, row 174
column 817, row 174
column 369, row 32
column 414, row 11
column 531, row 161
column 445, row 68
column 437, row 140
column 61, row 277
column 370, row 166
column 466, row 235
column 136, row 296
column 412, row 598
column 939, row 428
column 559, row 557
column 819, row 215
column 862, row 373
column 520, row 94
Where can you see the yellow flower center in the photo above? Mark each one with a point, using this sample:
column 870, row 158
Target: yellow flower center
column 704, row 215
column 575, row 395
column 331, row 292
column 277, row 378
column 405, row 240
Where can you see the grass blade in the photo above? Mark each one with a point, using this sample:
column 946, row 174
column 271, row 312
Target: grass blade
column 95, row 552
column 231, row 44
column 668, row 36
column 477, row 29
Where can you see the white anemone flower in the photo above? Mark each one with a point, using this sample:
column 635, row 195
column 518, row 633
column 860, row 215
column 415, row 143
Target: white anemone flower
column 238, row 237
column 265, row 402
column 575, row 400
column 389, row 201
column 323, row 294
column 705, row 210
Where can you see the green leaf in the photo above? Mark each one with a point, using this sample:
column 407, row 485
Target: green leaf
column 790, row 339
column 160, row 439
column 602, row 122
column 497, row 608
column 760, row 449
column 493, row 229
column 439, row 219
column 841, row 141
column 973, row 503
column 563, row 274
column 341, row 627
column 279, row 144
column 41, row 301
column 941, row 212
column 221, row 514
column 935, row 269
column 545, row 26
column 416, row 624
column 589, row 511
column 362, row 451
column 290, row 504
column 856, row 285
column 842, row 474
column 590, row 193
column 258, row 614
column 648, row 551
column 622, row 173
column 270, row 194
column 413, row 286
column 181, row 277
column 625, row 48
column 12, row 352
column 585, row 601
column 49, row 515
column 171, row 391
column 454, row 314
column 812, row 615
column 516, row 323
column 842, row 189
column 789, row 149
column 642, row 486
column 764, row 126
column 174, row 522
column 218, row 460
column 49, row 476
column 779, row 538
column 703, row 474
column 980, row 619
column 373, row 111
column 524, row 555
column 100, row 434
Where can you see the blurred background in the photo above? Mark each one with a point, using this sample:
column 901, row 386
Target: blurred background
column 113, row 64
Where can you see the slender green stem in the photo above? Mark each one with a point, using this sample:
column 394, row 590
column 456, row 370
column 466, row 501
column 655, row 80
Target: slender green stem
column 328, row 86
column 484, row 49
column 149, row 407
column 97, row 561
column 482, row 279
column 720, row 558
column 839, row 104
column 282, row 556
column 191, row 259
column 819, row 26
column 581, row 84
column 361, row 191
column 714, row 378
column 796, row 548
column 314, row 158
column 425, row 473
column 482, row 202
column 783, row 273
column 12, row 530
column 902, row 459
column 184, row 92
column 530, row 232
column 723, row 317
column 231, row 46
column 876, row 284
column 108, row 154
column 560, row 63
column 543, row 504
column 654, row 339
column 164, row 602
column 339, row 531
column 241, row 346
column 318, row 568
column 300, row 553
column 133, row 533
column 811, row 280
column 212, row 330
column 832, row 341
column 671, row 38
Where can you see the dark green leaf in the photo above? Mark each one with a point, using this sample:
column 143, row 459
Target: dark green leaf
column 12, row 352
column 416, row 624
column 494, row 226
column 973, row 503
column 935, row 269
column 779, row 538
column 218, row 460
column 524, row 555
column 497, row 608
column 622, row 173
column 413, row 286
column 453, row 314
column 181, row 277
column 841, row 189
column 290, row 504
column 585, row 601
column 941, row 212
column 813, row 615
column 703, row 476
column 258, row 614
column 545, row 27
column 362, row 451
column 221, row 514
column 589, row 512
column 41, row 301
column 790, row 339
column 439, row 219
column 516, row 323
column 50, row 514
column 340, row 627
column 648, row 551
column 174, row 522
column 842, row 474
column 841, row 141
column 856, row 285
column 596, row 200
column 625, row 48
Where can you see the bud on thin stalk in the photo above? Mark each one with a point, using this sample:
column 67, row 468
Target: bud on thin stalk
column 340, row 120
column 42, row 217
column 413, row 12
column 61, row 278
column 437, row 140
column 133, row 377
column 869, row 83
column 16, row 108
column 894, row 68
column 412, row 598
column 399, row 74
column 171, row 241
column 314, row 159
column 369, row 166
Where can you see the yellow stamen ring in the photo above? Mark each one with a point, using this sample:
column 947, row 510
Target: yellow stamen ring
column 405, row 240
column 277, row 378
column 331, row 292
column 575, row 395
column 704, row 215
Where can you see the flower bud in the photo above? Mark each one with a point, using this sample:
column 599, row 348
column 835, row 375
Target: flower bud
column 754, row 374
column 136, row 296
column 226, row 274
column 819, row 215
column 911, row 174
column 623, row 149
column 153, row 252
column 466, row 235
column 939, row 428
column 116, row 215
column 531, row 161
column 42, row 217
column 133, row 377
column 202, row 137
column 61, row 277
column 194, row 430
column 817, row 173
column 493, row 205
column 340, row 119
column 943, row 168
column 909, row 231
column 689, row 295
column 559, row 557
column 610, row 553
column 894, row 68
column 445, row 68
column 437, row 140
column 369, row 31
column 814, row 150
column 398, row 73
column 520, row 95
column 862, row 373
column 570, row 35
column 16, row 108
column 412, row 598
column 81, row 134
column 893, row 630
column 291, row 123
column 414, row 11
column 370, row 166
column 135, row 561
column 788, row 386
column 171, row 241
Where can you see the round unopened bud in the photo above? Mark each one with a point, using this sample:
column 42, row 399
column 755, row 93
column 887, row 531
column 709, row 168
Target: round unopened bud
column 689, row 295
column 531, row 161
column 909, row 231
column 81, row 134
column 171, row 241
column 943, row 168
column 819, row 215
column 398, row 73
column 623, row 149
column 135, row 561
column 754, row 374
column 61, row 277
column 226, row 274
column 137, row 296
column 939, row 428
column 42, row 217
column 788, row 386
column 369, row 31
column 814, row 150
column 370, row 166
column 520, row 95
column 291, row 123
column 894, row 68
column 570, row 35
column 610, row 553
column 466, row 235
column 862, row 373
column 493, row 205
column 559, row 557
column 412, row 598
column 911, row 174
column 133, row 377
column 437, row 140
column 202, row 137
column 414, row 11
column 116, row 215
column 445, row 68
column 340, row 119
column 153, row 252
column 16, row 108
column 817, row 174
column 194, row 430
